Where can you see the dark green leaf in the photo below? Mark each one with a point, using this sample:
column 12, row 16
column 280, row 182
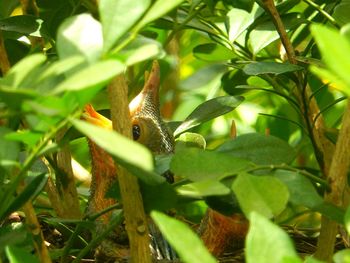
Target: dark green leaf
column 209, row 110
column 213, row 52
column 198, row 165
column 6, row 7
column 186, row 243
column 259, row 148
column 24, row 24
column 118, row 17
column 20, row 255
column 80, row 35
column 153, row 197
column 35, row 186
column 94, row 76
column 137, row 158
column 260, row 68
column 341, row 12
column 267, row 243
column 251, row 192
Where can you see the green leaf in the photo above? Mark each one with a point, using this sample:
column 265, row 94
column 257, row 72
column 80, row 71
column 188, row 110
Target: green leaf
column 20, row 255
column 134, row 156
column 35, row 186
column 238, row 20
column 203, row 188
column 140, row 49
column 6, row 7
column 191, row 139
column 94, row 76
column 341, row 12
column 333, row 46
column 25, row 136
column 265, row 33
column 187, row 244
column 263, row 194
column 260, row 68
column 347, row 220
column 23, row 24
column 153, row 197
column 209, row 110
column 80, row 35
column 9, row 150
column 157, row 9
column 259, row 149
column 19, row 72
column 342, row 256
column 267, row 243
column 118, row 17
column 199, row 165
column 213, row 52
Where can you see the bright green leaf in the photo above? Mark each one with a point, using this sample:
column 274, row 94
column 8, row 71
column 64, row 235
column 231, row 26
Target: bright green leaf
column 238, row 20
column 96, row 75
column 136, row 157
column 263, row 194
column 203, row 188
column 80, row 35
column 118, row 17
column 267, row 243
column 259, row 149
column 198, row 165
column 342, row 256
column 158, row 9
column 209, row 110
column 26, row 136
column 191, row 139
column 187, row 244
column 333, row 46
column 9, row 150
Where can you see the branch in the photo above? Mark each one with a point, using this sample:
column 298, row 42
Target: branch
column 340, row 191
column 4, row 61
column 136, row 221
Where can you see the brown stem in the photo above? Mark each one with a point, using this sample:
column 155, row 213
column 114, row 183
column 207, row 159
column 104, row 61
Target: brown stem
column 340, row 192
column 4, row 61
column 135, row 217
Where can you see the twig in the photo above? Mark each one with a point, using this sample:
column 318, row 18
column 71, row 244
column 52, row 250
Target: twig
column 4, row 61
column 322, row 12
column 135, row 218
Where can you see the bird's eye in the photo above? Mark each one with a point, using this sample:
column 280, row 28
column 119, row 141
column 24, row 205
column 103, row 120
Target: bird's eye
column 136, row 132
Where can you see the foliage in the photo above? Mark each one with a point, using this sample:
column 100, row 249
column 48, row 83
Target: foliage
column 220, row 61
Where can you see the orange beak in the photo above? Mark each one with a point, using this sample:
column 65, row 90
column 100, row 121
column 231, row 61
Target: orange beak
column 93, row 117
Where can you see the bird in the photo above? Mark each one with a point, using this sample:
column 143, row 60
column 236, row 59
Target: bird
column 148, row 129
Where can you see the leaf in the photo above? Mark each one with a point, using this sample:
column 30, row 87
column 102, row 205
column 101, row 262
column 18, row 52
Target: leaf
column 187, row 244
column 302, row 192
column 140, row 49
column 20, row 71
column 238, row 20
column 341, row 12
column 342, row 256
column 118, row 17
column 80, row 35
column 265, row 33
column 260, row 68
column 333, row 46
column 213, row 52
column 25, row 136
column 24, row 24
column 251, row 192
column 9, row 150
column 209, row 110
column 136, row 157
column 191, row 139
column 267, row 243
column 259, row 149
column 157, row 9
column 203, row 188
column 198, row 165
column 347, row 220
column 153, row 197
column 29, row 193
column 94, row 76
column 20, row 255
column 6, row 7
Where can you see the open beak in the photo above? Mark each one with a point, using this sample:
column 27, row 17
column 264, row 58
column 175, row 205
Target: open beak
column 93, row 117
column 149, row 93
